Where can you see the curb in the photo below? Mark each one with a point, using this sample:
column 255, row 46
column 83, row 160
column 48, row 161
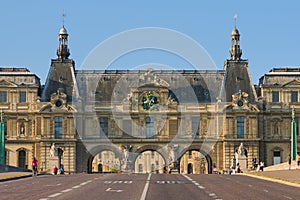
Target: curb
column 286, row 182
column 15, row 178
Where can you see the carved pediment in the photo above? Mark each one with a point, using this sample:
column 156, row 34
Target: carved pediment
column 5, row 83
column 58, row 103
column 150, row 78
column 293, row 83
column 240, row 103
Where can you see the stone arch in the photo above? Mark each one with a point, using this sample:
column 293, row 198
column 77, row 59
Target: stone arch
column 98, row 149
column 196, row 147
column 155, row 148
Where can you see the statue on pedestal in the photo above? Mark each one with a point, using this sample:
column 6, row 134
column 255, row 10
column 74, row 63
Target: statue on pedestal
column 126, row 161
column 53, row 150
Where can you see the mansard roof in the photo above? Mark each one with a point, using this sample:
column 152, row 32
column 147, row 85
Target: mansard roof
column 205, row 83
column 280, row 76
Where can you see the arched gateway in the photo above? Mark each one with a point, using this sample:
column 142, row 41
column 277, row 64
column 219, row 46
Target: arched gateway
column 148, row 159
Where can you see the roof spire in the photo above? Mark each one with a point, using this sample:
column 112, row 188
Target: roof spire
column 63, row 50
column 235, row 50
column 235, row 17
column 63, row 18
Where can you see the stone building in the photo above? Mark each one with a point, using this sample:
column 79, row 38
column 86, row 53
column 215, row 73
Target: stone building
column 186, row 121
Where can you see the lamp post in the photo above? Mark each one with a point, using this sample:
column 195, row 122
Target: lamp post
column 2, row 139
column 293, row 136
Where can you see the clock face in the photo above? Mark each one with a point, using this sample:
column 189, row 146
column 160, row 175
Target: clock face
column 149, row 101
column 240, row 103
column 58, row 103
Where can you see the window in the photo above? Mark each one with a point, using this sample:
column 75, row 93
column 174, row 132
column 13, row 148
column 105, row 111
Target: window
column 103, row 127
column 190, row 154
column 58, row 127
column 3, row 97
column 140, row 168
column 152, row 154
column 22, row 97
column 294, row 97
column 195, row 126
column 275, row 96
column 149, row 127
column 240, row 127
column 152, row 167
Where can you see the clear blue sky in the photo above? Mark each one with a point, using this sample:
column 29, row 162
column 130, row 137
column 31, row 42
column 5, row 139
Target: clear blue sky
column 270, row 30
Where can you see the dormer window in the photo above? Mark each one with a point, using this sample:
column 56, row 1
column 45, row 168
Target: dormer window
column 275, row 96
column 3, row 97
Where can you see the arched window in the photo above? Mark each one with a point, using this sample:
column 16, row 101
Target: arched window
column 149, row 127
column 22, row 159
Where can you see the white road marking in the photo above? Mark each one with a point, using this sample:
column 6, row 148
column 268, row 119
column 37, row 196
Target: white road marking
column 143, row 197
column 76, row 186
column 107, row 182
column 110, row 190
column 201, row 187
column 266, row 190
column 43, row 199
column 67, row 190
column 54, row 195
column 250, row 185
column 287, row 197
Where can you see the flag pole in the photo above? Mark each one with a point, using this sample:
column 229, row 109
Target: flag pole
column 2, row 140
column 293, row 136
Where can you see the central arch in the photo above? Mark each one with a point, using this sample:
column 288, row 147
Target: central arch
column 153, row 155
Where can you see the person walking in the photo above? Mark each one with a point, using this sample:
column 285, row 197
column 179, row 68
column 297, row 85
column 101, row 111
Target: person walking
column 34, row 166
column 298, row 160
column 289, row 161
column 55, row 169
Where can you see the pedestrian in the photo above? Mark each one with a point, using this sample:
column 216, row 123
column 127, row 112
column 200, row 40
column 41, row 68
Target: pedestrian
column 298, row 160
column 34, row 166
column 289, row 161
column 61, row 170
column 261, row 166
column 55, row 170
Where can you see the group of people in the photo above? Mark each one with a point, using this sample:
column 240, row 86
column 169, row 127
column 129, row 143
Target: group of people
column 259, row 166
column 34, row 164
column 297, row 161
column 58, row 171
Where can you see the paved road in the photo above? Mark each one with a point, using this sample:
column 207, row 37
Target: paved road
column 146, row 186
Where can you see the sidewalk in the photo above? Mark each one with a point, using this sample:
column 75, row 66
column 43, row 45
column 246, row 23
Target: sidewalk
column 289, row 177
column 5, row 176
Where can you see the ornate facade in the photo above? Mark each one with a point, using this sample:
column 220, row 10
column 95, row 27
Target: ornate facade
column 186, row 121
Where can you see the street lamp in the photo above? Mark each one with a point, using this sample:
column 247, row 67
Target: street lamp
column 293, row 136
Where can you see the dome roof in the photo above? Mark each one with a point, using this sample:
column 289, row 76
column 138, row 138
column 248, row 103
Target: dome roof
column 235, row 31
column 63, row 31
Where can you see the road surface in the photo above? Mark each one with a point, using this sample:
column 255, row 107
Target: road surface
column 145, row 186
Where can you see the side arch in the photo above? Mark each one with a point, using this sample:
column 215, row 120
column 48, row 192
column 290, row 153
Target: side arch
column 98, row 149
column 195, row 147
